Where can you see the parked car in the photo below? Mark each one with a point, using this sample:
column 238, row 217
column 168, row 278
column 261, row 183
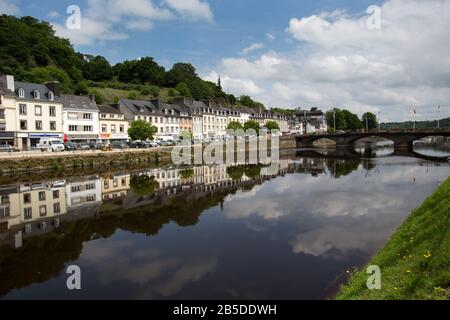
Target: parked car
column 50, row 144
column 83, row 146
column 96, row 145
column 6, row 148
column 70, row 146
column 134, row 144
column 119, row 145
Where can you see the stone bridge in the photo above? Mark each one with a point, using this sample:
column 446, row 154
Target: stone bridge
column 401, row 139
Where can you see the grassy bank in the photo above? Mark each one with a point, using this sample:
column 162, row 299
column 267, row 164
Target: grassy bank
column 415, row 263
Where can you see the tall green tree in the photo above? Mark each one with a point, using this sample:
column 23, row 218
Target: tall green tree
column 272, row 125
column 352, row 121
column 340, row 119
column 97, row 68
column 183, row 89
column 252, row 124
column 181, row 72
column 235, row 125
column 369, row 121
column 141, row 130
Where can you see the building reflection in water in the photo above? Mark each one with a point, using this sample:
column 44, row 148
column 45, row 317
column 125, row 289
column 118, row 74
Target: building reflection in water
column 33, row 209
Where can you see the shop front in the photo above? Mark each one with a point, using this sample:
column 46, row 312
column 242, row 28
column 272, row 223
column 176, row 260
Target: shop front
column 34, row 138
column 7, row 137
column 81, row 138
column 113, row 137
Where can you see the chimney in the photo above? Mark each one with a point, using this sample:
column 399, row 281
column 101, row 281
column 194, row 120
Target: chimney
column 53, row 86
column 7, row 82
column 208, row 103
column 92, row 98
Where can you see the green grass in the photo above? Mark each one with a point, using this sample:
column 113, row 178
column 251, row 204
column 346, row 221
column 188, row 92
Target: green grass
column 109, row 94
column 415, row 263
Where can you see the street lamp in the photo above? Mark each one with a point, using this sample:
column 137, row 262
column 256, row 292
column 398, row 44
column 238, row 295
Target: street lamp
column 439, row 115
column 334, row 120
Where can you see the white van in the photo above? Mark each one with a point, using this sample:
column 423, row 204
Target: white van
column 50, row 144
column 165, row 139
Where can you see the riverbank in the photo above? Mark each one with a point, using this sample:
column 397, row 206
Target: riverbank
column 99, row 160
column 415, row 263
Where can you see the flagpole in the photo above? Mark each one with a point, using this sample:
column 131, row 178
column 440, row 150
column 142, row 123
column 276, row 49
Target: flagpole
column 414, row 117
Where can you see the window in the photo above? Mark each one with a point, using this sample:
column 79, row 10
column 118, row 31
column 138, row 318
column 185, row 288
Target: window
column 111, row 116
column 51, row 96
column 73, row 128
column 38, row 125
column 23, row 125
column 55, row 194
column 22, row 109
column 103, row 116
column 113, row 128
column 43, row 211
column 52, row 111
column 88, row 128
column 90, row 186
column 52, row 125
column 38, row 110
column 2, row 114
column 27, row 213
column 36, row 94
column 87, row 115
column 104, row 128
column 21, row 93
column 56, row 208
column 27, row 198
column 122, row 128
column 42, row 196
column 72, row 115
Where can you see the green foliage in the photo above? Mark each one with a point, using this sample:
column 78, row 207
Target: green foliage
column 345, row 120
column 352, row 121
column 236, row 173
column 252, row 124
column 200, row 89
column 183, row 89
column 142, row 71
column 45, row 74
column 99, row 99
column 369, row 120
column 141, row 130
column 181, row 72
column 173, row 93
column 249, row 102
column 143, row 185
column 272, row 125
column 81, row 88
column 187, row 173
column 132, row 95
column 415, row 263
column 443, row 123
column 235, row 125
column 97, row 69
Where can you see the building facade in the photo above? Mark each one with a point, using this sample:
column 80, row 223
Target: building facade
column 80, row 118
column 113, row 125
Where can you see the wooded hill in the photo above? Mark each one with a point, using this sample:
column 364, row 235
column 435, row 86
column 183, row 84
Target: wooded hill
column 32, row 52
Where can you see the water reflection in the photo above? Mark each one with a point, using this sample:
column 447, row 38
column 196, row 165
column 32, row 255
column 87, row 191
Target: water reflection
column 285, row 231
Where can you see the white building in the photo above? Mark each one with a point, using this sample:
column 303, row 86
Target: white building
column 80, row 118
column 113, row 125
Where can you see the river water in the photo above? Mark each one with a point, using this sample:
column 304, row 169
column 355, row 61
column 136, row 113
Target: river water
column 289, row 231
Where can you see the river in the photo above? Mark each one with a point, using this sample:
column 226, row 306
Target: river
column 290, row 231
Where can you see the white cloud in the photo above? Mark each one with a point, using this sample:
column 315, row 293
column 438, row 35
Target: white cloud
column 107, row 20
column 53, row 14
column 252, row 47
column 192, row 9
column 340, row 62
column 270, row 36
column 7, row 7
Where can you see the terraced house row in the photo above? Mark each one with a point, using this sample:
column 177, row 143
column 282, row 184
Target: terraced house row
column 30, row 111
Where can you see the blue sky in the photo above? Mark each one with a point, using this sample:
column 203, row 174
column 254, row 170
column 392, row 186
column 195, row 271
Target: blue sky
column 289, row 53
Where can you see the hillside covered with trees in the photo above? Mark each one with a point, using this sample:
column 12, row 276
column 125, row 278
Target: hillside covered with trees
column 32, row 52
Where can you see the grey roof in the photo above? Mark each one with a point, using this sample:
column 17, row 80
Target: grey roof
column 29, row 88
column 108, row 109
column 77, row 102
column 135, row 107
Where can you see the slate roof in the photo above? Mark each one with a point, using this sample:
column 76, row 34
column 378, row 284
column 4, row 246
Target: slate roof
column 108, row 109
column 135, row 106
column 29, row 88
column 77, row 102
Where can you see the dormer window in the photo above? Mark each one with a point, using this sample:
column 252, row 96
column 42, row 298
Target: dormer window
column 21, row 93
column 51, row 96
column 36, row 95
